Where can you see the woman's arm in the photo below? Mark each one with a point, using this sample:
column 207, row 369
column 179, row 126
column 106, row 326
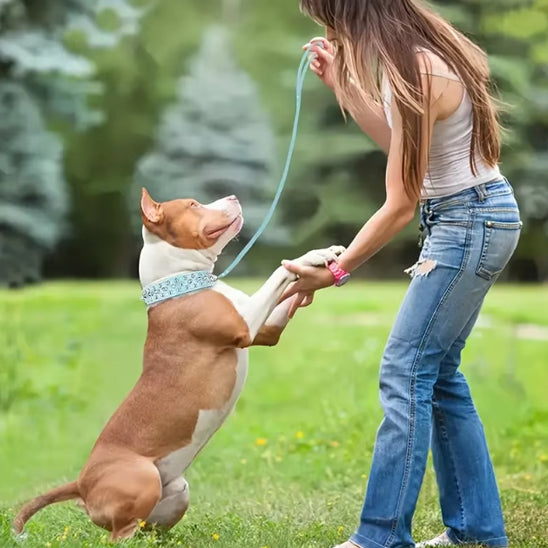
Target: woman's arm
column 372, row 121
column 371, row 118
column 397, row 211
column 395, row 214
column 399, row 207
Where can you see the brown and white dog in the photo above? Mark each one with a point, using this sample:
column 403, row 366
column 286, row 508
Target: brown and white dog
column 195, row 365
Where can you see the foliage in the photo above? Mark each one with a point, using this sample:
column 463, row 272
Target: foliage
column 41, row 75
column 288, row 469
column 337, row 178
column 31, row 186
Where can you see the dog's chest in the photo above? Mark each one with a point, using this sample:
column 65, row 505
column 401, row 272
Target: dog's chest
column 209, row 421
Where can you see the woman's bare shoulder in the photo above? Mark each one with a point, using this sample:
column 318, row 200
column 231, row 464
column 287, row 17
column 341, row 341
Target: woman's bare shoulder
column 432, row 64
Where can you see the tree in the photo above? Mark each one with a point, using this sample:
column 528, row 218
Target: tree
column 40, row 75
column 215, row 140
column 31, row 185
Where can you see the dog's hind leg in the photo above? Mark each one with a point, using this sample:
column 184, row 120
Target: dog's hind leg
column 124, row 496
column 173, row 505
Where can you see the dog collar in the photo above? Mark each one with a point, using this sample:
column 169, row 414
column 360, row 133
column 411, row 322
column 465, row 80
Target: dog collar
column 176, row 286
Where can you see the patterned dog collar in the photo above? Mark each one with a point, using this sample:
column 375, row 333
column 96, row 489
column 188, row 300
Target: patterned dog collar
column 177, row 285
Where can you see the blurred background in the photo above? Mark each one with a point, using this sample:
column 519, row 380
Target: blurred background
column 195, row 98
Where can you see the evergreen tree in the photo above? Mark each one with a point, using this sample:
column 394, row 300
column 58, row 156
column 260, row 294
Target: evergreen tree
column 31, row 184
column 214, row 141
column 40, row 75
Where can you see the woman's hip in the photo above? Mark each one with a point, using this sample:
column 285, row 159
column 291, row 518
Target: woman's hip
column 477, row 230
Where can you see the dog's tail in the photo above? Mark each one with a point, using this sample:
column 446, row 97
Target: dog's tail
column 65, row 492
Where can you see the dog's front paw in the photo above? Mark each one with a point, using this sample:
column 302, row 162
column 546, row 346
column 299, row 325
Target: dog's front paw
column 320, row 257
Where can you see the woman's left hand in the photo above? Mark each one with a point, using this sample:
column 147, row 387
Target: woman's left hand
column 311, row 278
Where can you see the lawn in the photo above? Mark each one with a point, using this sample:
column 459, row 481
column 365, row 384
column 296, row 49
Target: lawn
column 289, row 468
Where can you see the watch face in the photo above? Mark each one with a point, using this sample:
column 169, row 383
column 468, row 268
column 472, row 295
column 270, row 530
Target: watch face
column 344, row 279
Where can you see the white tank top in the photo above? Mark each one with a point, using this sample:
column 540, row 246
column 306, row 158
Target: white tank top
column 449, row 170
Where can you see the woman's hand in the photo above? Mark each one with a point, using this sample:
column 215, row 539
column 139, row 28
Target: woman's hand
column 322, row 64
column 301, row 300
column 311, row 278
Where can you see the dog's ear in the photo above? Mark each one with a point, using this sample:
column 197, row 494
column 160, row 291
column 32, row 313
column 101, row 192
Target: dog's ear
column 152, row 211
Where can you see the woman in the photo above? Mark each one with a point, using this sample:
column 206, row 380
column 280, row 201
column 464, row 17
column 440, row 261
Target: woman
column 420, row 89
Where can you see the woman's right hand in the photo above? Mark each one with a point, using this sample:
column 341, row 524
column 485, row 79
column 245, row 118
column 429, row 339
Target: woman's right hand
column 322, row 64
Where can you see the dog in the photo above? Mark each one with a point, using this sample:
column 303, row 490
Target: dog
column 194, row 368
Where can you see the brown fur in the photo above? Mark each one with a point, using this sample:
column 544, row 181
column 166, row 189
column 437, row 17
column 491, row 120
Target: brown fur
column 65, row 492
column 269, row 335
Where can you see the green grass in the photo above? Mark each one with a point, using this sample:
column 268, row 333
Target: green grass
column 289, row 468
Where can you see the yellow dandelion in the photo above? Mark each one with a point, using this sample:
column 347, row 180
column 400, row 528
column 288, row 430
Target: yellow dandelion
column 340, row 529
column 364, row 476
column 299, row 435
column 543, row 458
column 244, row 461
column 142, row 523
column 335, row 444
column 261, row 442
column 215, row 536
column 527, row 477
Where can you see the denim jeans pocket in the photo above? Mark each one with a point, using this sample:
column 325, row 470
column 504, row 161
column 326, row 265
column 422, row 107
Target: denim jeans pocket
column 500, row 239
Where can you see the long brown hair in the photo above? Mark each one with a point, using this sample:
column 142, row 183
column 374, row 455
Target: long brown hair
column 381, row 37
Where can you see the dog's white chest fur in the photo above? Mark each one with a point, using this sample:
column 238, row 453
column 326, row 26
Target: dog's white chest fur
column 209, row 421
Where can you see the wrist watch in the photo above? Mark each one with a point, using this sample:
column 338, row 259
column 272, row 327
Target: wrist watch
column 341, row 276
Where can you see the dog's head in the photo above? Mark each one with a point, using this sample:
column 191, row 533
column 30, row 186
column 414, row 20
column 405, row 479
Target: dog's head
column 187, row 224
column 191, row 235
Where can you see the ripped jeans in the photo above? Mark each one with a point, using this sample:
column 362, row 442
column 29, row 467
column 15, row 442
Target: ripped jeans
column 469, row 239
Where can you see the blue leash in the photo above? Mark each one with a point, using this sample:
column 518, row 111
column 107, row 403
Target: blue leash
column 301, row 75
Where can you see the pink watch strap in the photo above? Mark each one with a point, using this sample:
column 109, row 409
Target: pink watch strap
column 338, row 273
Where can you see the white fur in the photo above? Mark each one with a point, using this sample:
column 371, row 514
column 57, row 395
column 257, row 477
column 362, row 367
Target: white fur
column 160, row 260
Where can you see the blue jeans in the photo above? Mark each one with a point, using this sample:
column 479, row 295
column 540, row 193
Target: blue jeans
column 469, row 239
